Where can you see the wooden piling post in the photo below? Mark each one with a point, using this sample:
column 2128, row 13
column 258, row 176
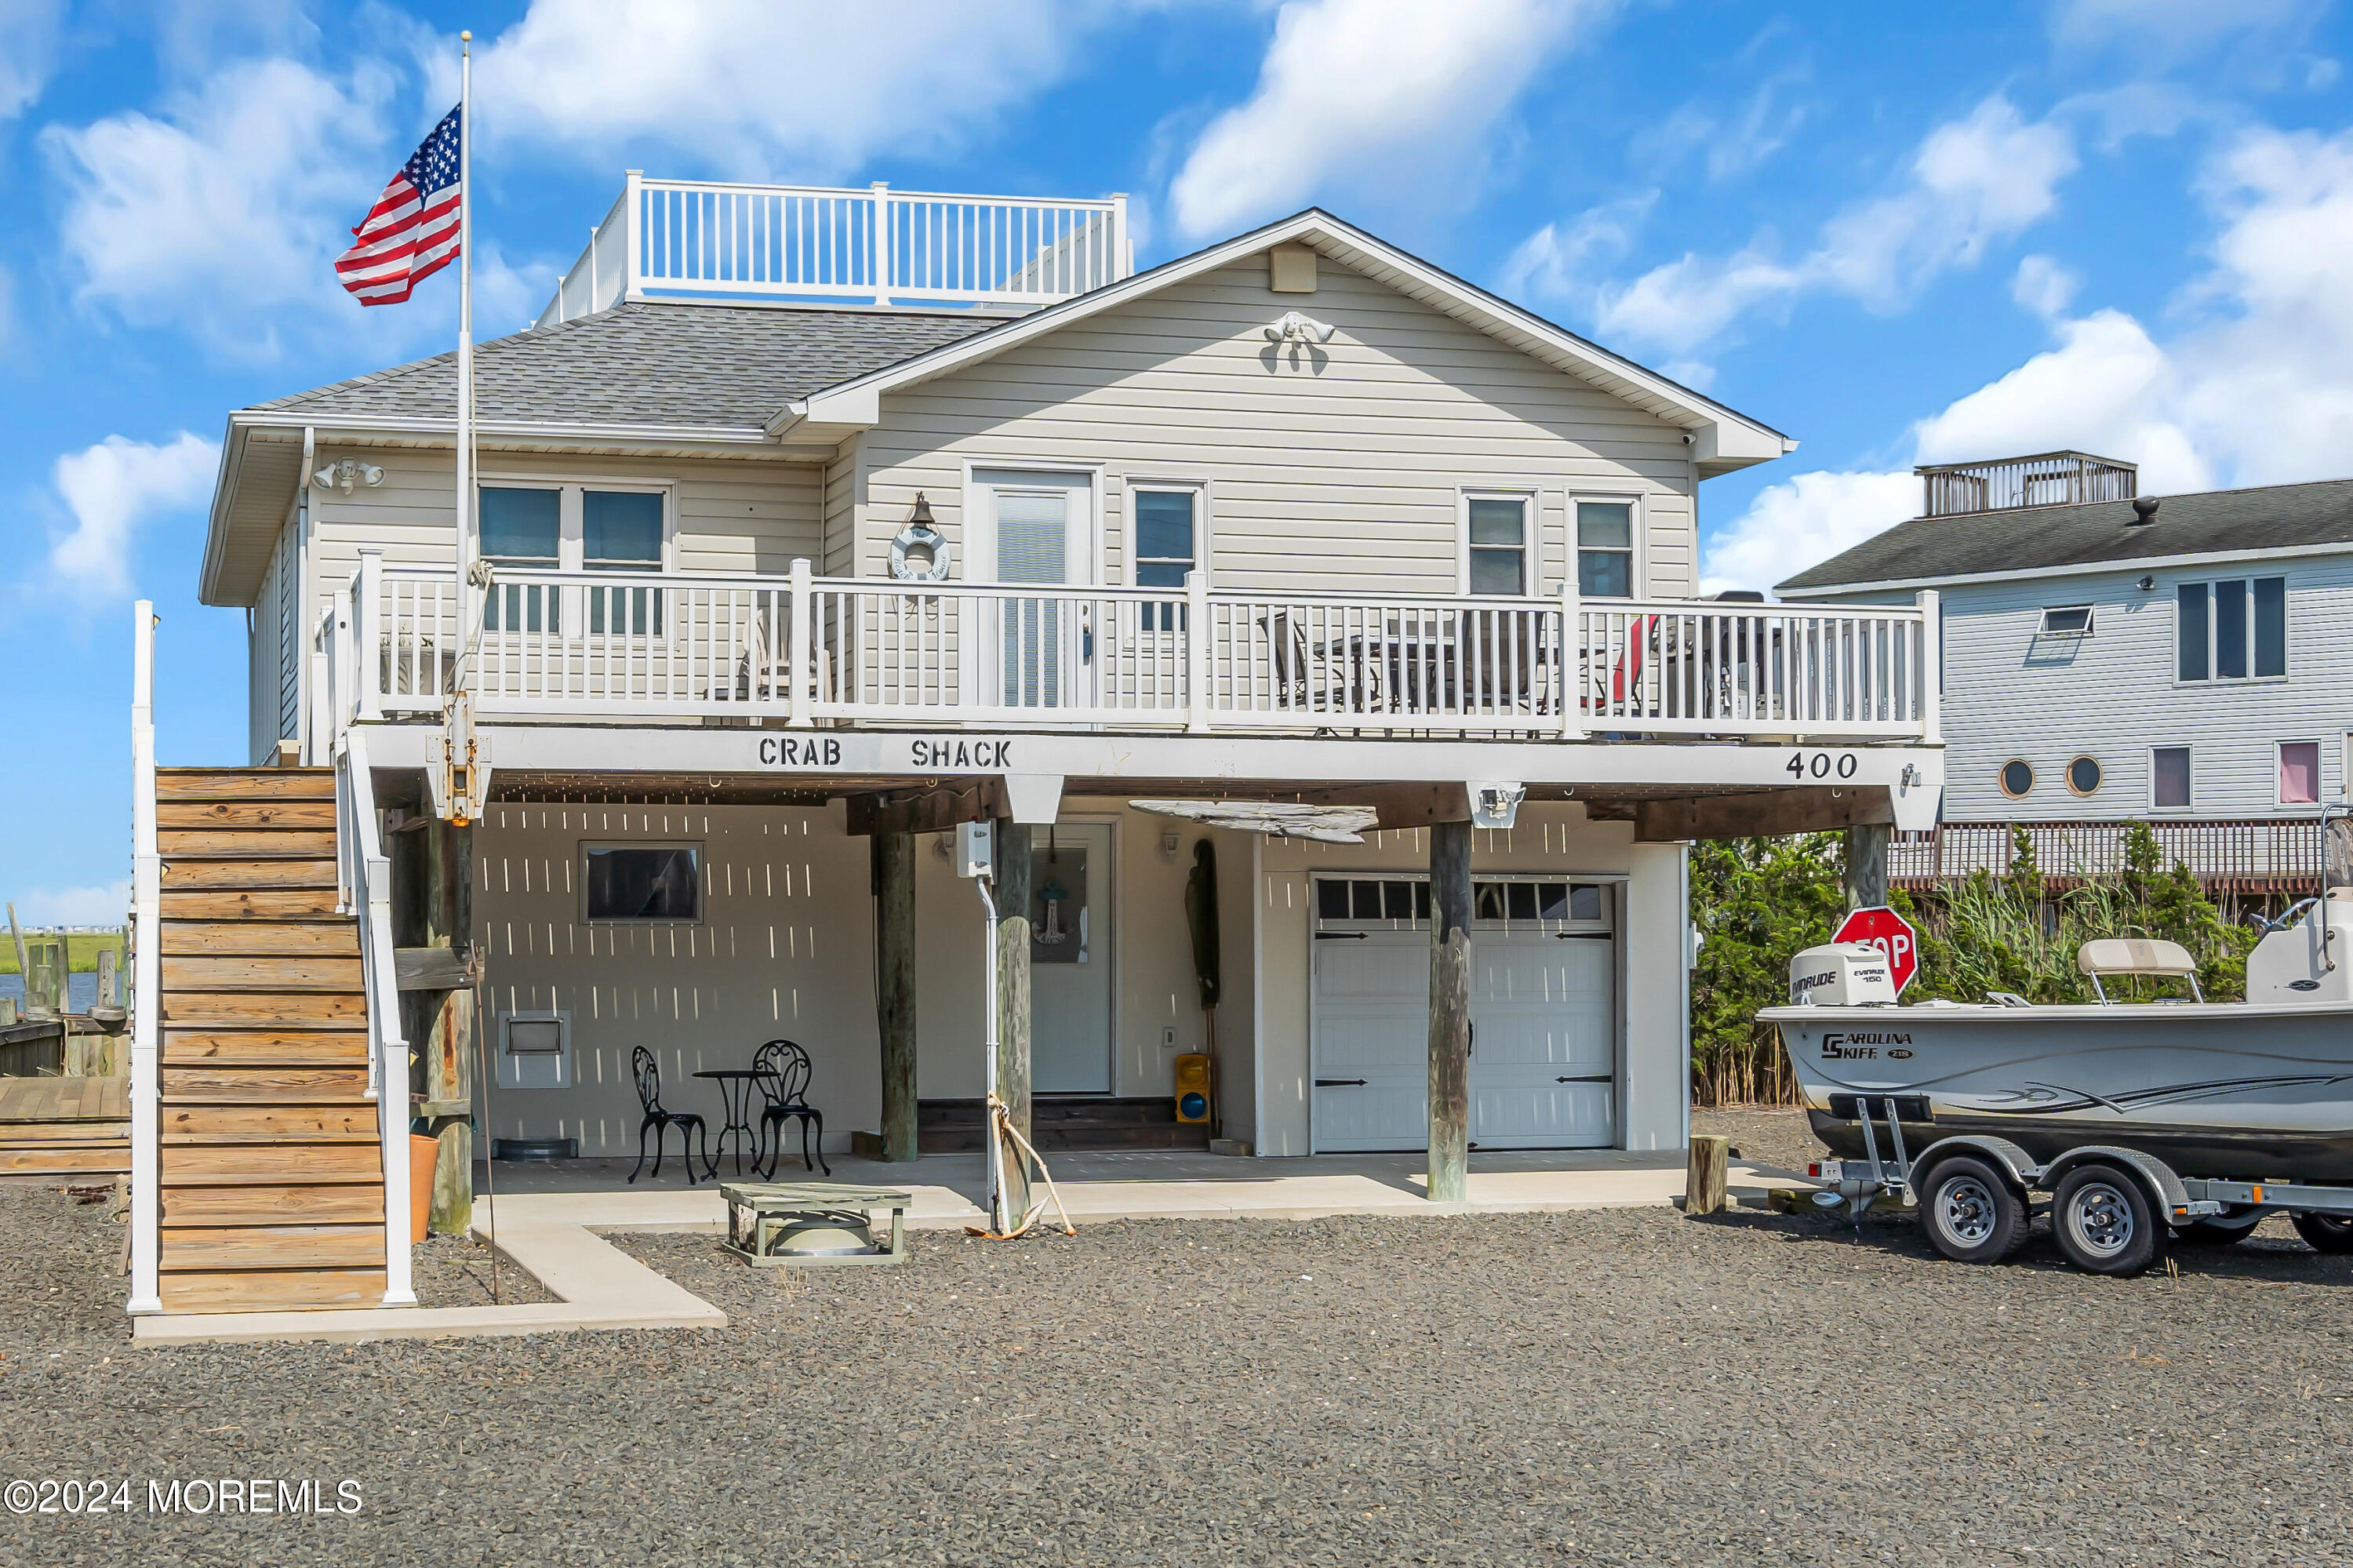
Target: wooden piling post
column 894, row 987
column 1704, row 1181
column 1012, row 885
column 449, row 1038
column 1866, row 865
column 1450, row 1011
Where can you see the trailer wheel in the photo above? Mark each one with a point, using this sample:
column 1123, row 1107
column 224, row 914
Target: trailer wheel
column 1971, row 1212
column 2325, row 1232
column 2102, row 1219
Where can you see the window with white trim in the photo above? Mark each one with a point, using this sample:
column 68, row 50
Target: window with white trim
column 522, row 525
column 1167, row 548
column 2234, row 629
column 2299, row 772
column 2169, row 778
column 1496, row 550
column 608, row 526
column 1605, row 549
column 621, row 530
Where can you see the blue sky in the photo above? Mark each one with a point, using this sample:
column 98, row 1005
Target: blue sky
column 1900, row 234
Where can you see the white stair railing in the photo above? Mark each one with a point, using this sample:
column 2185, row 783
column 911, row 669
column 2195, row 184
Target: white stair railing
column 387, row 1047
column 146, row 973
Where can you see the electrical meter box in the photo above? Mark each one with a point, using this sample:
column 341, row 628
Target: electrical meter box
column 975, row 849
column 1841, row 974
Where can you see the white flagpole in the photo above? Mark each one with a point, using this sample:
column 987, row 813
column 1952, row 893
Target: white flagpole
column 464, row 544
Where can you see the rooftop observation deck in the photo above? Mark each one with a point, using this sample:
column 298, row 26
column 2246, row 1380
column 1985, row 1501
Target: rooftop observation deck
column 800, row 649
column 2006, row 485
column 730, row 244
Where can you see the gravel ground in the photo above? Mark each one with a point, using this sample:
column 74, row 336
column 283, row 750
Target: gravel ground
column 1623, row 1386
column 455, row 1271
column 1768, row 1135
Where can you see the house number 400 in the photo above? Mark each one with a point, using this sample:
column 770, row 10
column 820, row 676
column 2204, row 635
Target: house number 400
column 1821, row 765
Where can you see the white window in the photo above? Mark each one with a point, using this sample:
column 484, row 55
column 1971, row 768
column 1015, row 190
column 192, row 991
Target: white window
column 621, row 530
column 2299, row 772
column 1496, row 536
column 1167, row 546
column 1605, row 549
column 2169, row 778
column 2067, row 620
column 615, row 526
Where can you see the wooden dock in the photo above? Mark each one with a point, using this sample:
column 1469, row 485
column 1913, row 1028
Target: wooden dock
column 65, row 1127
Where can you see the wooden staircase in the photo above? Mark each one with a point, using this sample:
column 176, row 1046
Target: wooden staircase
column 272, row 1175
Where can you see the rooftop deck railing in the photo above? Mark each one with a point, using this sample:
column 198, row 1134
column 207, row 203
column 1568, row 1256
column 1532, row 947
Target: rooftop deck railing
column 2046, row 479
column 700, row 240
column 803, row 649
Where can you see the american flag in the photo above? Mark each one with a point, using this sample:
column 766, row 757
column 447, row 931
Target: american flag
column 412, row 231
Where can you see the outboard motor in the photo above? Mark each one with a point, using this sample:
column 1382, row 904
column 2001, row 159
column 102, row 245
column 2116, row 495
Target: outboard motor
column 1842, row 974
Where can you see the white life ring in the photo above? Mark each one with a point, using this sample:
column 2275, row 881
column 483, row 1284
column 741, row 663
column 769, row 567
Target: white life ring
column 920, row 537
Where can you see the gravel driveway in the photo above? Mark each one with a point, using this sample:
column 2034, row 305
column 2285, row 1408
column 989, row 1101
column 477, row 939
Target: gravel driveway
column 1625, row 1386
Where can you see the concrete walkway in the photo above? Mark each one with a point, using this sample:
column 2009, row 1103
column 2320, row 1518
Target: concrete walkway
column 552, row 1222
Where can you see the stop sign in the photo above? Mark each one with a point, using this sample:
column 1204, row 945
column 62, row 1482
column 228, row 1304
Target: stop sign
column 1889, row 932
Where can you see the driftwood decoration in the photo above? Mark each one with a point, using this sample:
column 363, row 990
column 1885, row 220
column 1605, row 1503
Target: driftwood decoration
column 1276, row 819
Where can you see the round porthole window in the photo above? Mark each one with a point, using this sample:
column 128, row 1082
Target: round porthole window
column 2084, row 775
column 2017, row 779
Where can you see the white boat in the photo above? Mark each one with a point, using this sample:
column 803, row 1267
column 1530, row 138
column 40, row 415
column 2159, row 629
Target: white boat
column 2254, row 1090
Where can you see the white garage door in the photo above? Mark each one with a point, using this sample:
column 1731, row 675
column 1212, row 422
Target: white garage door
column 1544, row 1064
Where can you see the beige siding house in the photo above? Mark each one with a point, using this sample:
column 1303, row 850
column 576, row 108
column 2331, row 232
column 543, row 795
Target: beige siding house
column 758, row 576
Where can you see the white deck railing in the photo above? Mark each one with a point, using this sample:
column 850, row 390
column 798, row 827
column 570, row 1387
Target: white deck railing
column 691, row 238
column 805, row 650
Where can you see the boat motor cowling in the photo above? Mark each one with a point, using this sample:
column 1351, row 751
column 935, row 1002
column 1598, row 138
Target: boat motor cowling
column 1841, row 974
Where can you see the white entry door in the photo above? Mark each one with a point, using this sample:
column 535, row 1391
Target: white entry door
column 1543, row 1014
column 1071, row 958
column 1035, row 527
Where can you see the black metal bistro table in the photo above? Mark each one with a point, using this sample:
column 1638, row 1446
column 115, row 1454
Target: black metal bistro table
column 736, row 1086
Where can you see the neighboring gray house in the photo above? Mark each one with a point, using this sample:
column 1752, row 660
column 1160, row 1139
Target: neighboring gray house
column 2111, row 658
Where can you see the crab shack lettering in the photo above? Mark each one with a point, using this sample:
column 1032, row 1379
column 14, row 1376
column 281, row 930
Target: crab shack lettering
column 792, row 751
column 963, row 756
column 1863, row 1048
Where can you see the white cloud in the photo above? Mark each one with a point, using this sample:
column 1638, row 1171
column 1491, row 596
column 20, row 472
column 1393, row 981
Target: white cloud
column 226, row 208
column 1552, row 261
column 1972, row 184
column 768, row 89
column 1391, row 100
column 28, row 51
column 2257, row 389
column 2175, row 29
column 102, row 906
column 2107, row 388
column 1811, row 517
column 113, row 488
column 2043, row 286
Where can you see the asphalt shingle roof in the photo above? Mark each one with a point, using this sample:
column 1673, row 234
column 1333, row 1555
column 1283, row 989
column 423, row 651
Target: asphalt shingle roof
column 648, row 363
column 2270, row 517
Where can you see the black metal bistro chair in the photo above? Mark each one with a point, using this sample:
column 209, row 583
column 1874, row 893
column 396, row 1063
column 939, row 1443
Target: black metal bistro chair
column 647, row 1073
column 783, row 1069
